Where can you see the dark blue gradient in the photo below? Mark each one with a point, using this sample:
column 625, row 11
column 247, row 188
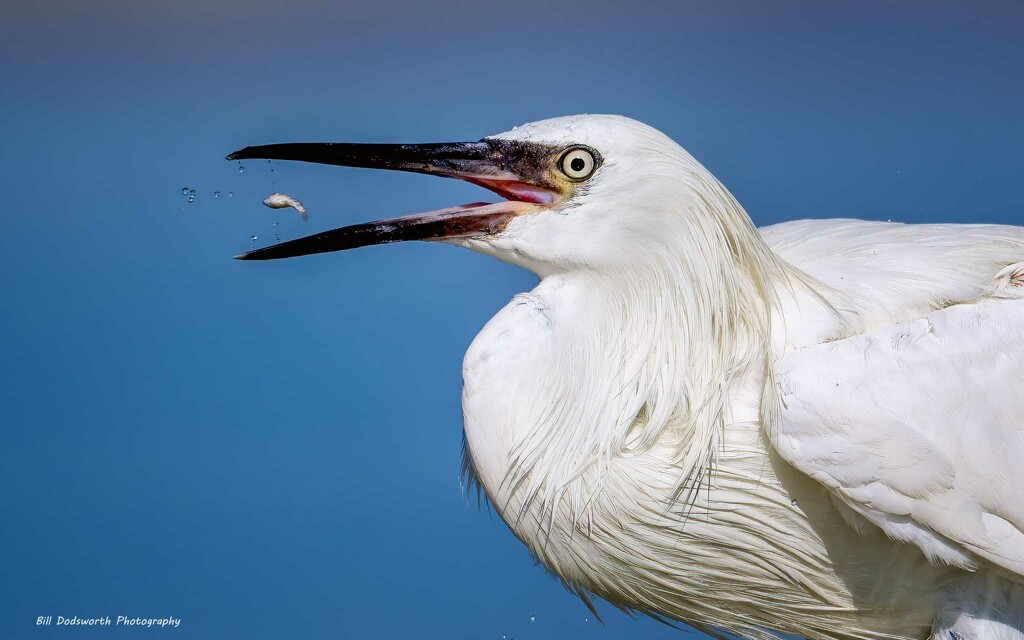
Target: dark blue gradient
column 270, row 450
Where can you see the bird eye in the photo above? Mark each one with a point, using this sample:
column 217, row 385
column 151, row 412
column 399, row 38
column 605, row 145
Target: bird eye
column 578, row 163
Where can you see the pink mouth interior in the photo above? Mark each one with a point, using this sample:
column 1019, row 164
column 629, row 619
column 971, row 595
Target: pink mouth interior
column 516, row 191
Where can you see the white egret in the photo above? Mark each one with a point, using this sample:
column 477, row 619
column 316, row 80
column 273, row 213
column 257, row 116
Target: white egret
column 812, row 428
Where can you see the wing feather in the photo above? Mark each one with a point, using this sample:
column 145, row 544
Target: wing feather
column 917, row 427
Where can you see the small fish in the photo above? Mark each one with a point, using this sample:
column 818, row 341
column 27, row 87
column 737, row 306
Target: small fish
column 281, row 201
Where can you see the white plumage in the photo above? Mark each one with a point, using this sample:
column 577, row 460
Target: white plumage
column 812, row 429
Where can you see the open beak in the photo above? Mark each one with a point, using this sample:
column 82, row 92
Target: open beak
column 514, row 170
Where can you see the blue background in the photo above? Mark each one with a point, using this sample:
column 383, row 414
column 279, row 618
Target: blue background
column 271, row 450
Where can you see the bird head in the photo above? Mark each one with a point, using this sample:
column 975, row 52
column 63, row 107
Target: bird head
column 580, row 191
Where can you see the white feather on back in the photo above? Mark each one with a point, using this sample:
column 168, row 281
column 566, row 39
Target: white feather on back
column 918, row 427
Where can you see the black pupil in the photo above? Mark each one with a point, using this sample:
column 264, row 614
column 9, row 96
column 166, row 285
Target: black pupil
column 577, row 164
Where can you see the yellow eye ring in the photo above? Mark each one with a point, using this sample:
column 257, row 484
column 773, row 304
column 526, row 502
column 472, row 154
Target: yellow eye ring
column 578, row 163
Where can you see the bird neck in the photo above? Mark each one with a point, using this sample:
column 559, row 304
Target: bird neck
column 649, row 359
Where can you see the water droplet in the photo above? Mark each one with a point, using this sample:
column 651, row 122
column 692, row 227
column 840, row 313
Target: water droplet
column 231, row 194
column 277, row 235
column 216, row 194
column 533, row 618
column 586, row 619
column 184, row 191
column 241, row 168
column 191, row 195
column 793, row 502
column 252, row 242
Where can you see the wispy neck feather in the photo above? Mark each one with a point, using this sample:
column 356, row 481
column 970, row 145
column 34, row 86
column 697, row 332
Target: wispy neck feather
column 648, row 356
